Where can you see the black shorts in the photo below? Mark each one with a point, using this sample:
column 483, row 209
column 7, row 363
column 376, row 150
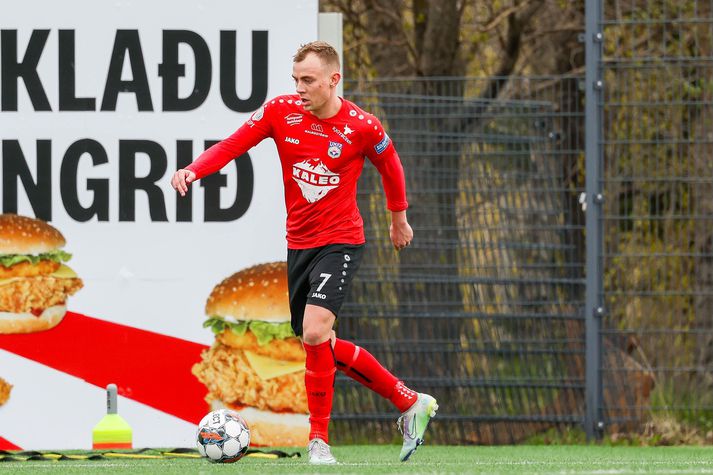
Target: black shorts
column 320, row 276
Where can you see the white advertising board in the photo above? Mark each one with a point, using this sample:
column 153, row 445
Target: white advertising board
column 100, row 103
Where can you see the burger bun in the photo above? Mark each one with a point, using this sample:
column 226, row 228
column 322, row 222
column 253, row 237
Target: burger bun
column 24, row 235
column 256, row 293
column 28, row 322
column 271, row 429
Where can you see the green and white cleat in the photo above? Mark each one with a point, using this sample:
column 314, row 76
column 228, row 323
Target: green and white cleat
column 412, row 424
column 320, row 453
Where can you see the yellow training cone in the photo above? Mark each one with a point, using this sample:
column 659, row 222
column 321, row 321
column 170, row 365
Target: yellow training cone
column 112, row 432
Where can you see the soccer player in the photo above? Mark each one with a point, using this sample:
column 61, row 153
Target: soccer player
column 322, row 140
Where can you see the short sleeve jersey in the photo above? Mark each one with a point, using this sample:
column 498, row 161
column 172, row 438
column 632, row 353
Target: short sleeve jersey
column 321, row 163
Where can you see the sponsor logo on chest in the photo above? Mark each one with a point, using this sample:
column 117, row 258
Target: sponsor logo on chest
column 316, row 129
column 343, row 135
column 314, row 179
column 293, row 119
column 292, row 140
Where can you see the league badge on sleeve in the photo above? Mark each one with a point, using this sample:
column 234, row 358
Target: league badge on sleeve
column 381, row 146
column 257, row 115
column 335, row 149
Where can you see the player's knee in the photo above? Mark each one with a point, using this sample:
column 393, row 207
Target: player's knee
column 317, row 325
column 314, row 333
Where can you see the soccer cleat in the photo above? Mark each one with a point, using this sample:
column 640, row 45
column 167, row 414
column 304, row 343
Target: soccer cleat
column 320, row 453
column 412, row 423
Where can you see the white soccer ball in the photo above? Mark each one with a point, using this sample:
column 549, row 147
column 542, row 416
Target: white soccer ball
column 223, row 436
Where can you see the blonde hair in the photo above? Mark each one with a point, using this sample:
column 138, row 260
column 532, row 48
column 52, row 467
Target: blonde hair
column 322, row 49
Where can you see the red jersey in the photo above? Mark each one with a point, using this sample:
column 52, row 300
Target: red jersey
column 322, row 160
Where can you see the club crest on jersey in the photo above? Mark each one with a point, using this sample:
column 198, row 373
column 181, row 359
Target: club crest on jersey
column 335, row 149
column 314, row 179
column 293, row 119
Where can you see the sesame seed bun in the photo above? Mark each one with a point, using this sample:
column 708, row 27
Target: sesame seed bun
column 256, row 293
column 23, row 235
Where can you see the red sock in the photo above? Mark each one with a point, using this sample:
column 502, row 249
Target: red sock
column 360, row 365
column 319, row 381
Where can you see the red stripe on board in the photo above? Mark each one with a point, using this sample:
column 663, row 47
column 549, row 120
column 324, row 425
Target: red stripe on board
column 148, row 367
column 110, row 445
column 7, row 445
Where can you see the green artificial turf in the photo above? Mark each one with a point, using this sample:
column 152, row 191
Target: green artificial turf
column 380, row 459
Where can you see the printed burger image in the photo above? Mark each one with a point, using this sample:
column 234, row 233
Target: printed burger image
column 256, row 365
column 34, row 281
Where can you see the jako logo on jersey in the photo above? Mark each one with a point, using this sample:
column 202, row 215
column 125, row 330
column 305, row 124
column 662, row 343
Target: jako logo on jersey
column 381, row 146
column 293, row 118
column 335, row 149
column 291, row 140
column 314, row 179
column 341, row 135
column 318, row 295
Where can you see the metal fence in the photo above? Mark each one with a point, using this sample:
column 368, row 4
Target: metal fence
column 482, row 310
column 657, row 213
column 501, row 307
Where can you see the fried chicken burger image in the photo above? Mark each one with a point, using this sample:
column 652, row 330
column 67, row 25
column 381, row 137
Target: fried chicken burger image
column 34, row 281
column 256, row 365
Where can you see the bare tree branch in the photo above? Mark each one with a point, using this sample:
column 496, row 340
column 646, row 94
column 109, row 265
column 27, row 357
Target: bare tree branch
column 499, row 18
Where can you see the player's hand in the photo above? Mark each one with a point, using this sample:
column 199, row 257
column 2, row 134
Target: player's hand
column 400, row 231
column 181, row 180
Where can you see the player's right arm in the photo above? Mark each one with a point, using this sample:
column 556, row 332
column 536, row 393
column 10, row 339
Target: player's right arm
column 251, row 133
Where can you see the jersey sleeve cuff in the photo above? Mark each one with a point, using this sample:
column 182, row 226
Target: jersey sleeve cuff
column 401, row 206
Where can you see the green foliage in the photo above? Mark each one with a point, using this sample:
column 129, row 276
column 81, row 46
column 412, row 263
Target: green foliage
column 687, row 402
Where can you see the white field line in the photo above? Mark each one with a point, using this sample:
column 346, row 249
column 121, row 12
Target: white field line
column 696, row 466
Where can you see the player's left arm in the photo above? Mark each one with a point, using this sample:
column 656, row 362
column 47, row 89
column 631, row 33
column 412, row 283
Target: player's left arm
column 382, row 153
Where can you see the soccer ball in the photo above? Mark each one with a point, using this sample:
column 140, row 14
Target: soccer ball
column 223, row 436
